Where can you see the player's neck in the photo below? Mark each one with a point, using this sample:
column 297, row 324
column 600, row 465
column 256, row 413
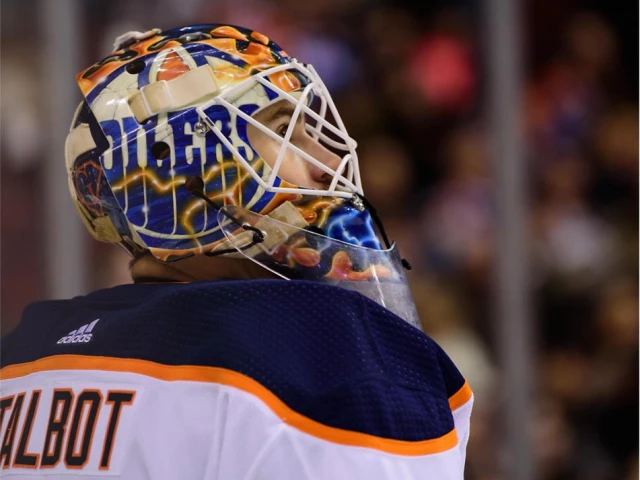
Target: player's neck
column 196, row 268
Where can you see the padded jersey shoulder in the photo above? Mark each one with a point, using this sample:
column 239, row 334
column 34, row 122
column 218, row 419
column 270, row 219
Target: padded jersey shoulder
column 328, row 353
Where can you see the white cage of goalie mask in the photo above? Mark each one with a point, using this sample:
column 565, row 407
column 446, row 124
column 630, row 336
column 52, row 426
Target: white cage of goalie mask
column 345, row 179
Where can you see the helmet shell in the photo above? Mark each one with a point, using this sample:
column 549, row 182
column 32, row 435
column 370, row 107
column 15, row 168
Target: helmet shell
column 127, row 174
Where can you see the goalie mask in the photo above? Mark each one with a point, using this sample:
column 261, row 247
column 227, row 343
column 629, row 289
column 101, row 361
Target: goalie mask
column 185, row 144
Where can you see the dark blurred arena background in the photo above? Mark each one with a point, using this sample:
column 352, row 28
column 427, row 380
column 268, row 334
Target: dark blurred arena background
column 410, row 80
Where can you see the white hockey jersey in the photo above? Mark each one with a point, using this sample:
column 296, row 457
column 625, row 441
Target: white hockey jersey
column 228, row 380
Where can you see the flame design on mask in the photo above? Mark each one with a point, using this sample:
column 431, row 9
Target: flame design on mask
column 307, row 257
column 342, row 269
column 253, row 48
column 173, row 66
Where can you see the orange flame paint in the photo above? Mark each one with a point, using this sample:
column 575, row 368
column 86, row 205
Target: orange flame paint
column 307, row 257
column 173, row 66
column 342, row 269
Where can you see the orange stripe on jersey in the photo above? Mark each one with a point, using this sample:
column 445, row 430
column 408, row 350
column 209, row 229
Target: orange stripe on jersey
column 242, row 382
column 461, row 397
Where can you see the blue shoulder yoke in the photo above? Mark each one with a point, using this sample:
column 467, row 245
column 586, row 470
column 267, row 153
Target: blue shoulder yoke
column 328, row 353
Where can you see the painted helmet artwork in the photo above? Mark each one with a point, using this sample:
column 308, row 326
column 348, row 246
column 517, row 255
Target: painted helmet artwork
column 163, row 155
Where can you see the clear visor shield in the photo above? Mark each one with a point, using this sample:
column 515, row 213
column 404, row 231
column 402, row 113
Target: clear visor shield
column 294, row 253
column 290, row 106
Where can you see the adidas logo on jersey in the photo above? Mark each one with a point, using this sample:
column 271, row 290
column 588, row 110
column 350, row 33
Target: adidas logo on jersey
column 81, row 335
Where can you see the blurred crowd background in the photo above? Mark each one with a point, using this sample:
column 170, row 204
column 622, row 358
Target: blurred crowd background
column 410, row 79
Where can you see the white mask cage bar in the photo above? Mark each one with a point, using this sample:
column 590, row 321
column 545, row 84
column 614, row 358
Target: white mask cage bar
column 346, row 179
